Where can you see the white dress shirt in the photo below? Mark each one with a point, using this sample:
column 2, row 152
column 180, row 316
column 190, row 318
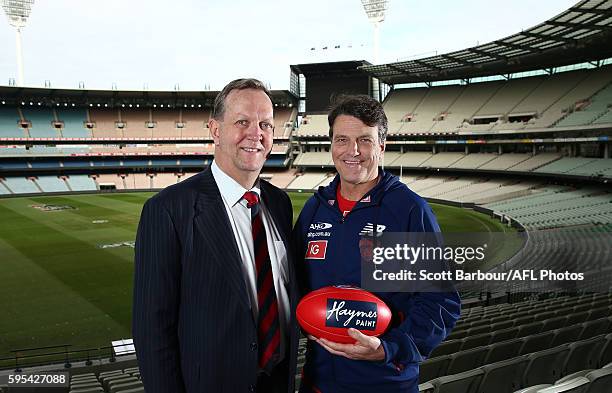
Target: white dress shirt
column 240, row 220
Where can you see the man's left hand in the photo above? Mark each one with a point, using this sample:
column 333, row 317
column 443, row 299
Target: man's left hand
column 366, row 347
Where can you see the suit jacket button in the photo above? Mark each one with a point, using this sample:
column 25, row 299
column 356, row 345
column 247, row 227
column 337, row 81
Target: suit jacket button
column 253, row 346
column 252, row 388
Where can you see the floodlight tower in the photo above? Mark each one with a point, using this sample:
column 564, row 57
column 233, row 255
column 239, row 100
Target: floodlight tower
column 18, row 12
column 375, row 10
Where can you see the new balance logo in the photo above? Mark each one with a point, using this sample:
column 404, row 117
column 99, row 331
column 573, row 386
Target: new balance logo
column 368, row 229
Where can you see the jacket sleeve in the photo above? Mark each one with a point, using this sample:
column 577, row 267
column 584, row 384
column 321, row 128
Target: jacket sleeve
column 156, row 300
column 428, row 317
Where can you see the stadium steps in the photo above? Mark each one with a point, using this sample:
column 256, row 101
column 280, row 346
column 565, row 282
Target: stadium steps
column 68, row 184
column 9, row 191
column 37, row 185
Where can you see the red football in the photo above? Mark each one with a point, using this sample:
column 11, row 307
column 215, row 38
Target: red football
column 330, row 311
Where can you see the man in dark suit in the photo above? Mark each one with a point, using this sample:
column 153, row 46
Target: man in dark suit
column 214, row 289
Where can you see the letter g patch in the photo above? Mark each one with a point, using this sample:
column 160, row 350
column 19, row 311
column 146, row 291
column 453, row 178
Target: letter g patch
column 316, row 249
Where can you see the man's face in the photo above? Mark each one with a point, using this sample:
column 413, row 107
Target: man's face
column 356, row 150
column 243, row 138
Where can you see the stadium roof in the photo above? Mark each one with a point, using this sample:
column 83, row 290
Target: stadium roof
column 580, row 34
column 80, row 97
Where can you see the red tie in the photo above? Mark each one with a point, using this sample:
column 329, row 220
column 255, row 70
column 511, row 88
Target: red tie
column 268, row 329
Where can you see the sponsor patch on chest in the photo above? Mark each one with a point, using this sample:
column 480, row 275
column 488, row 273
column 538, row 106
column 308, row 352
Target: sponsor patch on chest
column 316, row 249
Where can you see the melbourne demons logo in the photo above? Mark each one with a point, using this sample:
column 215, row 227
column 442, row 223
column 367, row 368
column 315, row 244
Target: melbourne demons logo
column 316, row 249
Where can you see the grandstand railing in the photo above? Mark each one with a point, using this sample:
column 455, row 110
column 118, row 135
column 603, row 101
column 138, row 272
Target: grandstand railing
column 58, row 354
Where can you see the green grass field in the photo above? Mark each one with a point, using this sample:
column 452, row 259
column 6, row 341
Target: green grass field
column 60, row 286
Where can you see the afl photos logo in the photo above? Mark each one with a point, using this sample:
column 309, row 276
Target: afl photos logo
column 316, row 249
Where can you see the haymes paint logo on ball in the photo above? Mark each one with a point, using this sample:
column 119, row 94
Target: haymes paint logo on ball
column 351, row 314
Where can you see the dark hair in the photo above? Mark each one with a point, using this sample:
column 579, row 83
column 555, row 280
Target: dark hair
column 237, row 84
column 364, row 108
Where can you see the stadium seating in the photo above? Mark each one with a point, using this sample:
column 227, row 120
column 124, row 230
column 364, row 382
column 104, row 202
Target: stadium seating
column 163, row 180
column 195, row 123
column 279, row 179
column 510, row 95
column 9, row 123
column 21, row 185
column 41, row 122
column 314, row 125
column 115, row 381
column 544, row 99
column 135, row 123
column 165, row 123
column 105, row 123
column 539, row 358
column 81, row 183
column 51, row 184
column 283, row 120
column 314, row 158
column 73, row 123
column 597, row 107
column 308, row 181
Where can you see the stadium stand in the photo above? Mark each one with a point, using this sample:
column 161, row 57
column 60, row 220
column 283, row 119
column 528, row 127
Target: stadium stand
column 105, row 123
column 314, row 158
column 442, row 160
column 136, row 121
column 163, row 180
column 511, row 94
column 411, row 159
column 81, row 183
column 165, row 123
column 535, row 162
column 473, row 161
column 195, row 122
column 308, row 181
column 595, row 108
column 73, row 123
column 20, row 185
column 112, row 180
column 40, row 120
column 505, row 161
column 138, row 181
column 9, row 123
column 433, row 104
column 313, row 125
column 51, row 184
column 283, row 121
column 495, row 106
column 280, row 179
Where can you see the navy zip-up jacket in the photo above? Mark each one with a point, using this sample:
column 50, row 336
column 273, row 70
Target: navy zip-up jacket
column 421, row 320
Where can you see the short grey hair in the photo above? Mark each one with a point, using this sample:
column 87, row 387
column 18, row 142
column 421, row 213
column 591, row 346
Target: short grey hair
column 237, row 84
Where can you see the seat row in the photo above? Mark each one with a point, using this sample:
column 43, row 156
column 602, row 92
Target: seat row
column 468, row 359
column 580, row 330
column 550, row 319
column 116, row 381
column 585, row 381
column 536, row 368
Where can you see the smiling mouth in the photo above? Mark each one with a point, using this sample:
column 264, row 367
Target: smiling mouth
column 352, row 162
column 251, row 149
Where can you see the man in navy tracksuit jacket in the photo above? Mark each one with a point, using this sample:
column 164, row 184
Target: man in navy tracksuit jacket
column 360, row 200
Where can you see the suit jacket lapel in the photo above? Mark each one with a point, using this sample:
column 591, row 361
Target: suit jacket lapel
column 212, row 221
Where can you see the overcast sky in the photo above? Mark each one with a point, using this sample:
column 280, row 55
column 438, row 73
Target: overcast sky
column 200, row 43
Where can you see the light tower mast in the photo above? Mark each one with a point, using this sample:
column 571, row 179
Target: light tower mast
column 375, row 10
column 18, row 12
